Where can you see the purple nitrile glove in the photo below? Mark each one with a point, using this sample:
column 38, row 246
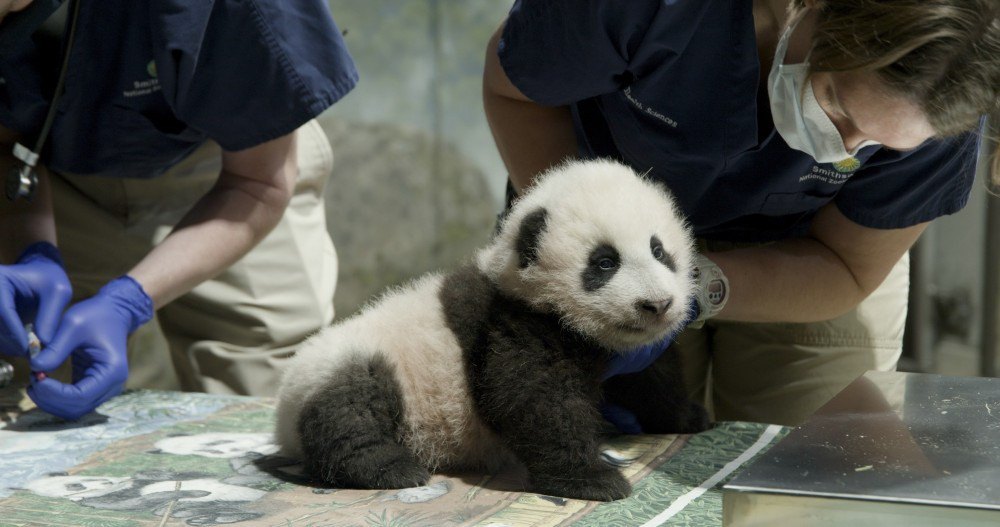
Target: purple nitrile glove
column 634, row 362
column 94, row 332
column 35, row 289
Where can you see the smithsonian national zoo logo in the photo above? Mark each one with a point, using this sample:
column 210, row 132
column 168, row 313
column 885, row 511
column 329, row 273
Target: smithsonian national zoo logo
column 825, row 175
column 842, row 171
column 144, row 86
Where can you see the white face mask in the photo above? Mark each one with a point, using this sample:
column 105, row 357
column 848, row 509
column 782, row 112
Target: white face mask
column 797, row 115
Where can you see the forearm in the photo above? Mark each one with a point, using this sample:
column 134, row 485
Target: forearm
column 529, row 137
column 818, row 277
column 245, row 204
column 223, row 226
column 797, row 280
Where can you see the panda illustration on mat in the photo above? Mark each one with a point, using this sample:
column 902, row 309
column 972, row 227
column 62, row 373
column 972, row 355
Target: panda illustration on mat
column 501, row 360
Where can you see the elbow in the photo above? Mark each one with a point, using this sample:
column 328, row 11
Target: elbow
column 272, row 195
column 255, row 202
column 278, row 194
column 845, row 306
column 273, row 202
column 856, row 290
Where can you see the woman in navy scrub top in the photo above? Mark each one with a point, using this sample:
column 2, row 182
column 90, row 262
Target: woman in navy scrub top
column 183, row 176
column 809, row 143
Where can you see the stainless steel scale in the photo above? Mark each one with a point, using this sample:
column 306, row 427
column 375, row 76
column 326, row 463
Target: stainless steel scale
column 891, row 449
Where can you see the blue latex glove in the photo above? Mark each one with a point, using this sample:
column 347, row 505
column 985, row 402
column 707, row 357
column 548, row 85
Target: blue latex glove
column 633, row 362
column 94, row 332
column 625, row 421
column 35, row 289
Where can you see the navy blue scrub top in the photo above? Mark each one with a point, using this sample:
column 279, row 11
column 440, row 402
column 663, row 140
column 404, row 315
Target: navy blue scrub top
column 151, row 80
column 671, row 86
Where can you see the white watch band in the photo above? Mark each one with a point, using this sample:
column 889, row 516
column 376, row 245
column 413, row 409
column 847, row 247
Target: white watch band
column 711, row 289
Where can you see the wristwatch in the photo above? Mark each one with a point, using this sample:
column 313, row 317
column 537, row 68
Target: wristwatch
column 711, row 289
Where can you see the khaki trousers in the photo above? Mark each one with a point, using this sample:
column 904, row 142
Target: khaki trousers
column 782, row 373
column 232, row 333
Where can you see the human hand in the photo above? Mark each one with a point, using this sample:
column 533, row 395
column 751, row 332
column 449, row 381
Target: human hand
column 35, row 289
column 94, row 332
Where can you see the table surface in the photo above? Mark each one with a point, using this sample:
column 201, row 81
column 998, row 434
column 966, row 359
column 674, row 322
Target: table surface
column 172, row 458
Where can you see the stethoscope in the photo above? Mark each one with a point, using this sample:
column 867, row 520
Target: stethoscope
column 22, row 180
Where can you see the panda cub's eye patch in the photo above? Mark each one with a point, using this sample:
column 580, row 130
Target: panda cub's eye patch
column 656, row 247
column 605, row 257
column 602, row 264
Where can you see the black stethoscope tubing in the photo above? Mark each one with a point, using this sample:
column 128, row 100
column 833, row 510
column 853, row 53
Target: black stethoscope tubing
column 21, row 182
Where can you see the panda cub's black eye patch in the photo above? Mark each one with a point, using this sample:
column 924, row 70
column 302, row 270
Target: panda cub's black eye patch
column 602, row 264
column 661, row 254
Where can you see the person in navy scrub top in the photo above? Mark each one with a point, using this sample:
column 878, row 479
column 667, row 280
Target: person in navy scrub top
column 180, row 191
column 808, row 142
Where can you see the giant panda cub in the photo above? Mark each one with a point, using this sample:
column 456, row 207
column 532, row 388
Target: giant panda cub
column 500, row 360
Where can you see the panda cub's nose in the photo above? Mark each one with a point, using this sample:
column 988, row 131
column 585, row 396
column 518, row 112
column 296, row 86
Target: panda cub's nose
column 655, row 307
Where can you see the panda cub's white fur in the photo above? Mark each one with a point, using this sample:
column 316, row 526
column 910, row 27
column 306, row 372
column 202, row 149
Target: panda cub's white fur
column 408, row 328
column 593, row 260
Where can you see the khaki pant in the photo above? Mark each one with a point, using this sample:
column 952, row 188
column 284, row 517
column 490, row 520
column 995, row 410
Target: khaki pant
column 231, row 333
column 782, row 373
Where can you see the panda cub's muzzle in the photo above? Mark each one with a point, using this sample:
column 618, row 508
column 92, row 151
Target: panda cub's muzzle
column 652, row 316
column 654, row 308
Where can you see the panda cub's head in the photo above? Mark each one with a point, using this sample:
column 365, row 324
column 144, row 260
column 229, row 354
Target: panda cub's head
column 602, row 247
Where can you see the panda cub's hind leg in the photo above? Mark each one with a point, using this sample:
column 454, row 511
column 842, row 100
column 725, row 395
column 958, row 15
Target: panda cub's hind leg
column 351, row 429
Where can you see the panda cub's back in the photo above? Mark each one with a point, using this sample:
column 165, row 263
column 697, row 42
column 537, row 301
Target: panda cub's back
column 408, row 328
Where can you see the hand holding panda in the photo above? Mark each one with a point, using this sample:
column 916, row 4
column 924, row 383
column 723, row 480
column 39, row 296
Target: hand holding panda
column 501, row 360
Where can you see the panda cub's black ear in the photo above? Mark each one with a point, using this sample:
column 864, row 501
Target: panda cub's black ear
column 527, row 237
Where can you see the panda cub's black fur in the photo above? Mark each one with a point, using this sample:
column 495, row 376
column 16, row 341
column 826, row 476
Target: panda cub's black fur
column 501, row 359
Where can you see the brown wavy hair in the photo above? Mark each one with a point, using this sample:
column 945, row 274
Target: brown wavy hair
column 944, row 55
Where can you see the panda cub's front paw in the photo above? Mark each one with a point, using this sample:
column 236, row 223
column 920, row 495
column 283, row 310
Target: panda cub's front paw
column 400, row 474
column 389, row 469
column 600, row 484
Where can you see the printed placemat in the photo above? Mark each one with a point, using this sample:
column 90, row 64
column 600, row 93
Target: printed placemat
column 150, row 458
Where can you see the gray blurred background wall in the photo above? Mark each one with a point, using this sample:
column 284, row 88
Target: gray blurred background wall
column 417, row 181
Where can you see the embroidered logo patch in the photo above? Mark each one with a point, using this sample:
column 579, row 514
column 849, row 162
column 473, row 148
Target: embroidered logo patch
column 848, row 165
column 648, row 109
column 143, row 87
